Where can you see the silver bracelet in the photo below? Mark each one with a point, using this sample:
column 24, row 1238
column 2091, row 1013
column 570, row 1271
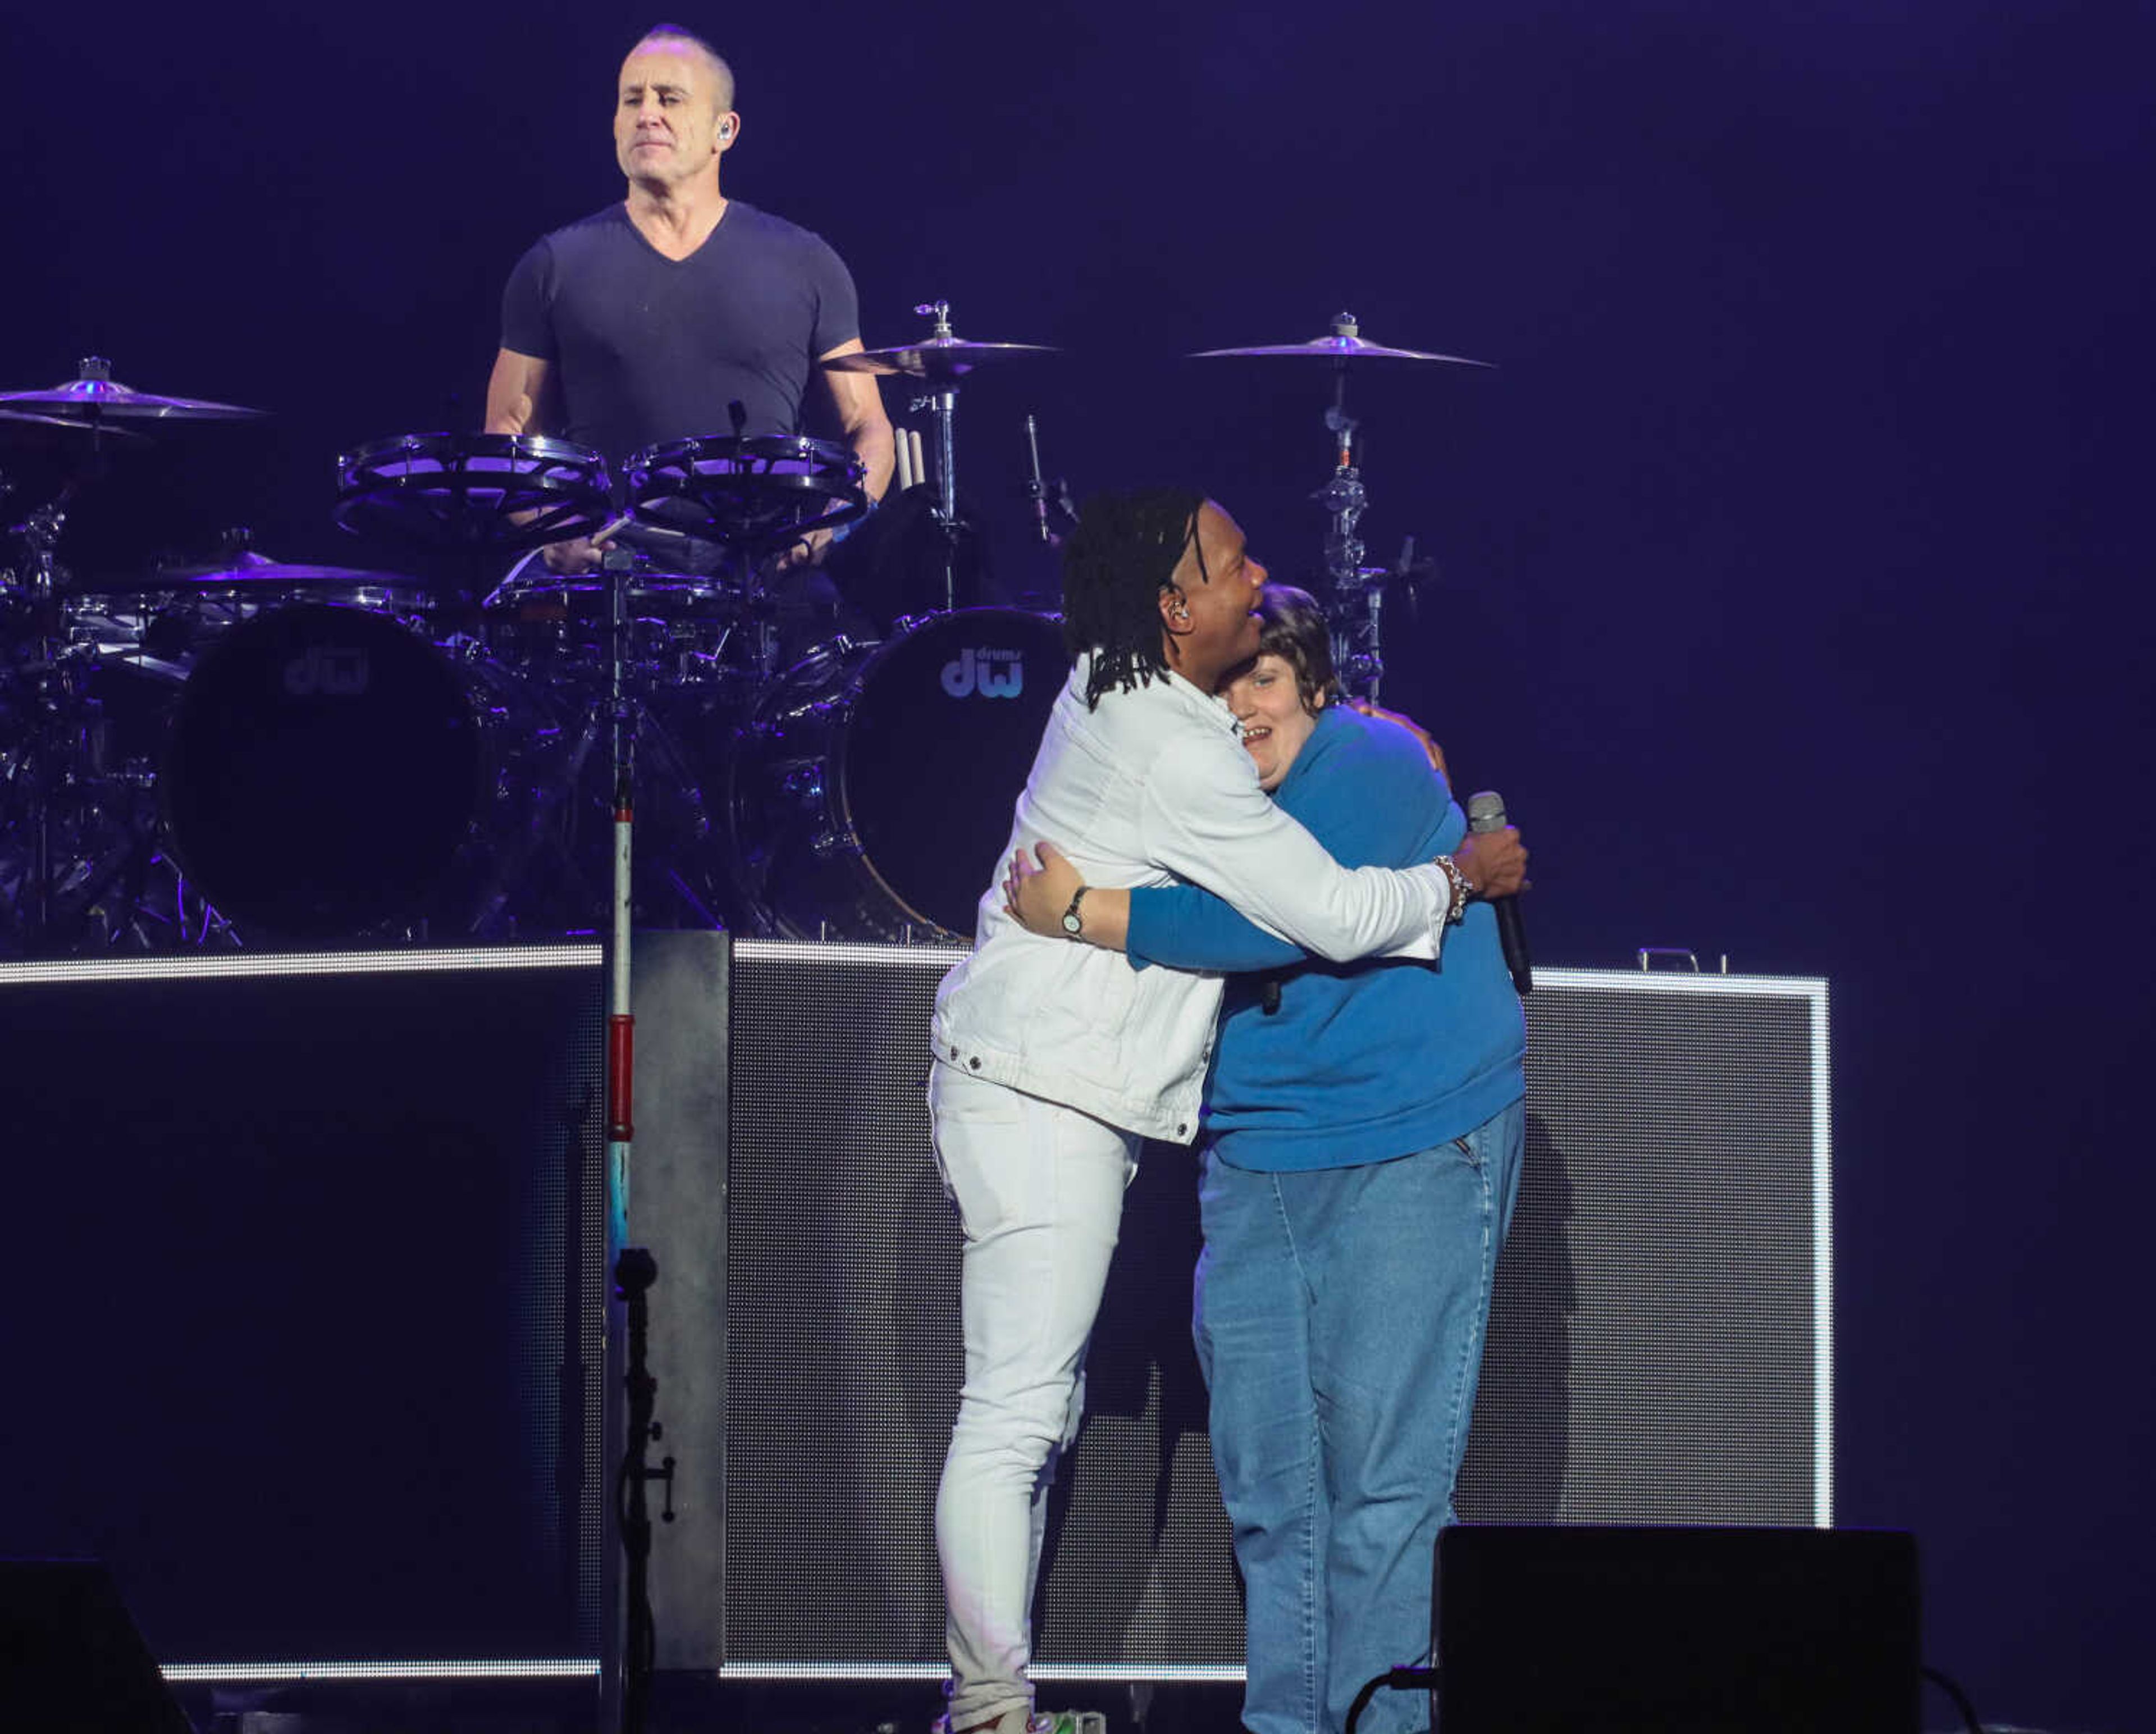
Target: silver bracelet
column 1461, row 890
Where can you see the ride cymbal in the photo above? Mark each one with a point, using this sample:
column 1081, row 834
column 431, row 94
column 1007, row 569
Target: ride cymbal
column 1345, row 343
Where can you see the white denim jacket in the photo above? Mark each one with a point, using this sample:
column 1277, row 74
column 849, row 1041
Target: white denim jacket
column 1152, row 787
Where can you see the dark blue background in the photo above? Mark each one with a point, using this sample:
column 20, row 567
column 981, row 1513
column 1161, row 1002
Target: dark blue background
column 1794, row 561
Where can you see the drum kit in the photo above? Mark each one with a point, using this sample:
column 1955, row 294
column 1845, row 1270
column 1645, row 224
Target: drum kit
column 246, row 753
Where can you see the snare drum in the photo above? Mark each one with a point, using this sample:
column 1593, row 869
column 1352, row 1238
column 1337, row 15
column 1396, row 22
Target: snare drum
column 759, row 494
column 873, row 792
column 682, row 627
column 325, row 769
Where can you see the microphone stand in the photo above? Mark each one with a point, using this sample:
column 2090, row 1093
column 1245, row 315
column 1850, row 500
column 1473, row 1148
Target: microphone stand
column 627, row 1660
column 635, row 1273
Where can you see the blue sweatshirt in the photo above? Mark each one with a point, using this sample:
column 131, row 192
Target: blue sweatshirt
column 1362, row 1062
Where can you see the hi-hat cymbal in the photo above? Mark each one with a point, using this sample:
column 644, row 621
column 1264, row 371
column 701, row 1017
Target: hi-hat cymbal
column 934, row 357
column 1344, row 343
column 94, row 396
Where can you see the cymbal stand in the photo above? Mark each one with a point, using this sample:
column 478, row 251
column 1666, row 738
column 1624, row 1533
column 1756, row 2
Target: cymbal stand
column 1055, row 512
column 47, row 758
column 79, row 831
column 1358, row 591
column 943, row 401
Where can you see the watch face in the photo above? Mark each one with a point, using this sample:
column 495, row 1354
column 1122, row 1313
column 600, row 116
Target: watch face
column 1070, row 924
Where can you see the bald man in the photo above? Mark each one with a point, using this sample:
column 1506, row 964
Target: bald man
column 643, row 322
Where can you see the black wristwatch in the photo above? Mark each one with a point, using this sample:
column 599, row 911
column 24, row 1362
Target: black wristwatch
column 1072, row 924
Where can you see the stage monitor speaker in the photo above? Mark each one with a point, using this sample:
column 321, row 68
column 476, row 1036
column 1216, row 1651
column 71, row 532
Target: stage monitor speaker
column 1658, row 1349
column 305, row 1274
column 1562, row 1630
column 71, row 1661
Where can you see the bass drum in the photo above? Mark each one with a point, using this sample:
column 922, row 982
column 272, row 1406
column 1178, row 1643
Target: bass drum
column 327, row 768
column 871, row 795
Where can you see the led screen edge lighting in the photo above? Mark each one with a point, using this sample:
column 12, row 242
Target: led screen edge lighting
column 1110, row 1672
column 300, row 963
column 1621, row 981
column 811, row 951
column 1823, row 1267
column 210, row 1673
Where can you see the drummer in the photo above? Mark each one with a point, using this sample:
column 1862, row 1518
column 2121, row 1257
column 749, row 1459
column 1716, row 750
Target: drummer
column 644, row 321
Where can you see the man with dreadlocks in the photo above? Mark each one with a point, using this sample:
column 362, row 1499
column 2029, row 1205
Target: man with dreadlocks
column 1054, row 1060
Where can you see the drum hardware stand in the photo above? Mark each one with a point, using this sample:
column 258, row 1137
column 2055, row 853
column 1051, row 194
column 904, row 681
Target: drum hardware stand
column 941, row 401
column 939, row 361
column 755, row 591
column 62, row 712
column 542, row 836
column 41, row 532
column 97, row 894
column 1358, row 591
column 762, row 612
column 1036, row 491
column 656, row 745
column 1051, row 499
column 58, row 751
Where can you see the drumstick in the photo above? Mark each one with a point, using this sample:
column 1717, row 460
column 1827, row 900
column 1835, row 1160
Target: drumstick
column 905, row 455
column 506, row 590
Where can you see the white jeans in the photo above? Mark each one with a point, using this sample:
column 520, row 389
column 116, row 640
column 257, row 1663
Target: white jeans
column 1040, row 1189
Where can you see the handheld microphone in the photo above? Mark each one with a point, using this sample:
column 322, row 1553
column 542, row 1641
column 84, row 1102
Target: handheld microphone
column 1485, row 812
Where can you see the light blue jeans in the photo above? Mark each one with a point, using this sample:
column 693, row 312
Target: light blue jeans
column 1340, row 1320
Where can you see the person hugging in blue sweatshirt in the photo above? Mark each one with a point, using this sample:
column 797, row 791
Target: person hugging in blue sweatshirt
column 1360, row 1154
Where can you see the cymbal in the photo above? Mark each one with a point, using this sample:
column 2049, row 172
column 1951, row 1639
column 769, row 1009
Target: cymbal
column 254, row 569
column 934, row 357
column 26, row 424
column 1344, row 343
column 94, row 396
